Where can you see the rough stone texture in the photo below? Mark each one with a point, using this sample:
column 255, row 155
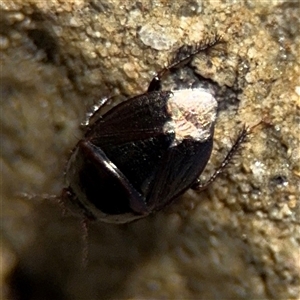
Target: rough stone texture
column 237, row 240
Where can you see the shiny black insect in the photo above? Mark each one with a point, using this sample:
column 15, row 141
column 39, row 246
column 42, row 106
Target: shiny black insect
column 145, row 152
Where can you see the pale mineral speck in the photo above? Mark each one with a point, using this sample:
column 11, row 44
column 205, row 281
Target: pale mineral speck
column 130, row 70
column 75, row 22
column 258, row 169
column 4, row 42
column 157, row 36
column 16, row 17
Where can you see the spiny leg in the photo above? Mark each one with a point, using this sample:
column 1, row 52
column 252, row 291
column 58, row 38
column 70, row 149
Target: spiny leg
column 183, row 55
column 198, row 186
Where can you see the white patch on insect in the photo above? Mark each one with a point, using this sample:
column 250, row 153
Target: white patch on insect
column 193, row 113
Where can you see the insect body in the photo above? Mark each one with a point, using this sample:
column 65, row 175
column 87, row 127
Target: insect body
column 142, row 154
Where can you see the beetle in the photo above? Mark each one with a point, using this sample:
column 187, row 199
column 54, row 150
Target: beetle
column 145, row 152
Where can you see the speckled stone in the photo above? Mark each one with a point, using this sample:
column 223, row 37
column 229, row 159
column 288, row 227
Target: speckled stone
column 237, row 240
